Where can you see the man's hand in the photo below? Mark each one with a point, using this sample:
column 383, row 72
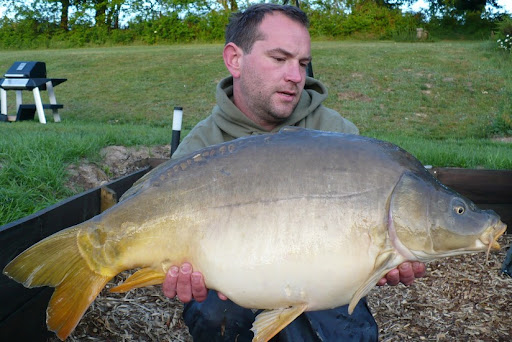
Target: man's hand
column 188, row 285
column 185, row 284
column 405, row 273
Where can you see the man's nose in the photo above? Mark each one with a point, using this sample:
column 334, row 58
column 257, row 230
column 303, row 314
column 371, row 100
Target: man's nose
column 294, row 72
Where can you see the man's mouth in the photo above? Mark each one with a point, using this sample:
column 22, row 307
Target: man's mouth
column 287, row 94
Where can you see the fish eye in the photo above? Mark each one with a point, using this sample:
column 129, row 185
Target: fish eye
column 459, row 209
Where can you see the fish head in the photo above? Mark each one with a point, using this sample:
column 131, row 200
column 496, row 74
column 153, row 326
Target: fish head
column 428, row 221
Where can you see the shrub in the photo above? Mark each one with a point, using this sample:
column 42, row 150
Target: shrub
column 505, row 43
column 502, row 125
column 365, row 19
column 25, row 33
column 369, row 19
column 504, row 26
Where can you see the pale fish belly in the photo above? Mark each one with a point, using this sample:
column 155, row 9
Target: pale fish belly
column 273, row 255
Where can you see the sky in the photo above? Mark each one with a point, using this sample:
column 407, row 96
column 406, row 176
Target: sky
column 507, row 5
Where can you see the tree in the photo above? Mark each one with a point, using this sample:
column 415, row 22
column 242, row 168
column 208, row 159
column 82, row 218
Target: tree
column 458, row 6
column 64, row 14
column 106, row 12
column 229, row 5
column 474, row 5
column 66, row 5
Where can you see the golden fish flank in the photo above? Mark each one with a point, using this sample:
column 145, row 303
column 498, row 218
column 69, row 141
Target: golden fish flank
column 255, row 215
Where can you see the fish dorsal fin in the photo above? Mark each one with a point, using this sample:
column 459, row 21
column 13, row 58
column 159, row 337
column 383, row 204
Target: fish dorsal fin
column 270, row 322
column 143, row 277
column 382, row 266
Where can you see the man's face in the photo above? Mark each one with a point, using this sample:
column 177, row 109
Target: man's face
column 273, row 74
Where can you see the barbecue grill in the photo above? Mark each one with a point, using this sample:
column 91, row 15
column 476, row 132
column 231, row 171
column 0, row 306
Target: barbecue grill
column 29, row 76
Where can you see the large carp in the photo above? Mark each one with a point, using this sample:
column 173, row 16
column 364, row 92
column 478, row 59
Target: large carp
column 261, row 217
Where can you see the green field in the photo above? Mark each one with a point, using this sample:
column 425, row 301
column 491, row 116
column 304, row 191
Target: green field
column 445, row 102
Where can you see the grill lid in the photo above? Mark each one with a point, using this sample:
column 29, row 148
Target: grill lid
column 27, row 70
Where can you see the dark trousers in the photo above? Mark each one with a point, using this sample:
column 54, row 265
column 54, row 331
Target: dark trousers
column 223, row 321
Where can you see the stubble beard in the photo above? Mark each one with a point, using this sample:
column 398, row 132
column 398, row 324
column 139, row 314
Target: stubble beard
column 264, row 104
column 272, row 110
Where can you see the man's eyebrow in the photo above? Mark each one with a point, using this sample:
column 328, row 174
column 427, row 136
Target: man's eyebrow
column 287, row 54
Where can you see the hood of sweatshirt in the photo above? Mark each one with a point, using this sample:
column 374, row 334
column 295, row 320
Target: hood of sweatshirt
column 232, row 121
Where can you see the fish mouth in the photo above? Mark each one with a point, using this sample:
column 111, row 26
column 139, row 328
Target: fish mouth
column 492, row 236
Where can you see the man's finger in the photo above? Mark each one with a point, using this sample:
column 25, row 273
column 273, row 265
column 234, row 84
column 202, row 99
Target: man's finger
column 406, row 273
column 183, row 286
column 170, row 281
column 382, row 281
column 199, row 291
column 419, row 269
column 393, row 277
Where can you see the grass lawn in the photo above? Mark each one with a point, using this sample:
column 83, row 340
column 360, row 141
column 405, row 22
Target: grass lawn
column 443, row 102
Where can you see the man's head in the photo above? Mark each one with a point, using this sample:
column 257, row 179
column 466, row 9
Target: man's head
column 267, row 50
column 243, row 27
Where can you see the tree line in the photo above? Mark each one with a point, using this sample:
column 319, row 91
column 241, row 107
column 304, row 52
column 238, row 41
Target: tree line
column 61, row 23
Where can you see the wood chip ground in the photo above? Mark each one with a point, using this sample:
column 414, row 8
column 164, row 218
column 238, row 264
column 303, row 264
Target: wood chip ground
column 463, row 298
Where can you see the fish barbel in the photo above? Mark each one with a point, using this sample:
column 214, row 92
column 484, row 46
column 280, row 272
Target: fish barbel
column 257, row 216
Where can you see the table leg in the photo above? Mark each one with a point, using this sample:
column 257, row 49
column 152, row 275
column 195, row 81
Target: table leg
column 39, row 105
column 19, row 100
column 3, row 100
column 53, row 100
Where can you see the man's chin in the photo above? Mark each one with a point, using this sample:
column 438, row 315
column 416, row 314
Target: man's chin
column 283, row 112
column 281, row 117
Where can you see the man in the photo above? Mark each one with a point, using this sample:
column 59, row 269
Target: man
column 267, row 50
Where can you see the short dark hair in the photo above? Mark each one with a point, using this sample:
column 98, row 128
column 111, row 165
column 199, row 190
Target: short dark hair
column 243, row 26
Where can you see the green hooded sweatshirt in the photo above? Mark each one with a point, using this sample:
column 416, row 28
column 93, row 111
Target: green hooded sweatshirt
column 227, row 122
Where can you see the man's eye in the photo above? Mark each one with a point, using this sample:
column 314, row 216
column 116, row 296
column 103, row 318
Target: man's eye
column 279, row 59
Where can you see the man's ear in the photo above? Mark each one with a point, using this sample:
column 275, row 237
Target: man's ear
column 233, row 59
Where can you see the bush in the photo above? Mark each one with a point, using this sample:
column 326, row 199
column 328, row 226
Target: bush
column 368, row 19
column 326, row 24
column 502, row 125
column 505, row 43
column 504, row 33
column 173, row 29
column 216, row 22
column 463, row 25
column 26, row 33
column 504, row 26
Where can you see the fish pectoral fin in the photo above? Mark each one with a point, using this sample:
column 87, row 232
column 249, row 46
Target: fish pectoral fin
column 143, row 277
column 382, row 266
column 268, row 323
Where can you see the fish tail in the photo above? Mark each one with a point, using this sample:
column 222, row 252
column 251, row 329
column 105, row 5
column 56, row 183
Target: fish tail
column 57, row 262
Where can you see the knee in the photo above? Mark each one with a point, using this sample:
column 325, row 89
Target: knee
column 218, row 320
